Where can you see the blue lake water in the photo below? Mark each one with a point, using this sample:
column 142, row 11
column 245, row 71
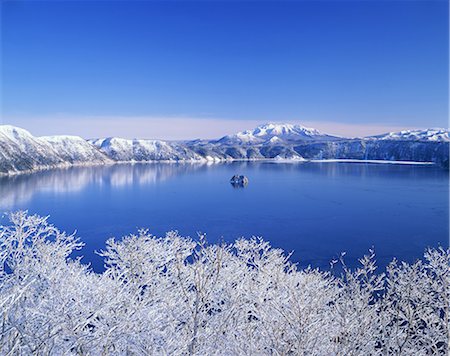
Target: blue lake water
column 317, row 210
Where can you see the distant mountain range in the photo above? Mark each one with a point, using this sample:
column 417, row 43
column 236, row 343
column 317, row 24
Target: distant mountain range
column 22, row 152
column 276, row 133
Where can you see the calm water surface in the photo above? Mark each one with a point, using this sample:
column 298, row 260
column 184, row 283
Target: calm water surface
column 316, row 210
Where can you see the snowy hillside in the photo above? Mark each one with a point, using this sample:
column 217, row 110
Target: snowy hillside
column 74, row 149
column 416, row 135
column 120, row 149
column 20, row 151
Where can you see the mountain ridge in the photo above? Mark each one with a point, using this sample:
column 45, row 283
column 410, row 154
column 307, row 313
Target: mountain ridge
column 20, row 151
column 284, row 132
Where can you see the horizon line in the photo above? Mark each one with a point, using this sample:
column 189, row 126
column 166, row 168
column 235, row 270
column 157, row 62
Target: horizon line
column 178, row 128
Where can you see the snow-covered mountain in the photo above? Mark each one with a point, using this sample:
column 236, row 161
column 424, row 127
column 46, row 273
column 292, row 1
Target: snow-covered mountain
column 416, row 135
column 20, row 151
column 74, row 149
column 120, row 149
column 276, row 133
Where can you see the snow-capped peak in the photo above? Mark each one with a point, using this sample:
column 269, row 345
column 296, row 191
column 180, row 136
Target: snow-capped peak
column 14, row 133
column 281, row 130
column 272, row 132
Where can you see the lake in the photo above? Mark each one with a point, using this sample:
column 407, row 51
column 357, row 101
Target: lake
column 316, row 210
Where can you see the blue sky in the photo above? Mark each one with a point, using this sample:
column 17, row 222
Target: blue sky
column 140, row 68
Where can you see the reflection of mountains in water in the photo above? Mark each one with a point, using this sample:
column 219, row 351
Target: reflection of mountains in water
column 16, row 190
column 19, row 189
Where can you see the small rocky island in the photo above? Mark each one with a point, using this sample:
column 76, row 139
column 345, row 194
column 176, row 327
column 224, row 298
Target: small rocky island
column 239, row 180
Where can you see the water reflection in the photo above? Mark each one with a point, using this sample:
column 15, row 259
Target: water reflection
column 315, row 209
column 18, row 190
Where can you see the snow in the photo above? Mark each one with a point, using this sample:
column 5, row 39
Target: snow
column 62, row 138
column 281, row 159
column 274, row 139
column 278, row 133
column 284, row 130
column 20, row 151
column 174, row 295
column 13, row 133
column 17, row 136
column 121, row 149
column 74, row 149
column 375, row 161
column 417, row 135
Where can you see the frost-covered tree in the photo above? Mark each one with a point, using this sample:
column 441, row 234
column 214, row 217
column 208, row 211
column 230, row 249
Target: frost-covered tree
column 179, row 296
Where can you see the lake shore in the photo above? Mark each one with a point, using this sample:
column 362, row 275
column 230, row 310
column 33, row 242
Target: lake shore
column 215, row 161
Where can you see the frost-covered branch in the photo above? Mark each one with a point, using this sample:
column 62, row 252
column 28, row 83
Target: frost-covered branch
column 178, row 296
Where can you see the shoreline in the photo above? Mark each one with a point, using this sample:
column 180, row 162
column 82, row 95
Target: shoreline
column 374, row 161
column 218, row 161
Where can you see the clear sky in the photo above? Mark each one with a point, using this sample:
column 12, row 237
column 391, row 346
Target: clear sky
column 168, row 69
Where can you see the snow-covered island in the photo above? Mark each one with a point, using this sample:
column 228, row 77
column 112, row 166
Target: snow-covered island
column 20, row 151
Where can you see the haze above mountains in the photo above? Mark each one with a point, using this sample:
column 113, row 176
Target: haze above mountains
column 20, row 151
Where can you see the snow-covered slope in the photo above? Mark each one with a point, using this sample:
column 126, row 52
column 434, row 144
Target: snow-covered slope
column 416, row 135
column 276, row 133
column 20, row 151
column 120, row 149
column 74, row 149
